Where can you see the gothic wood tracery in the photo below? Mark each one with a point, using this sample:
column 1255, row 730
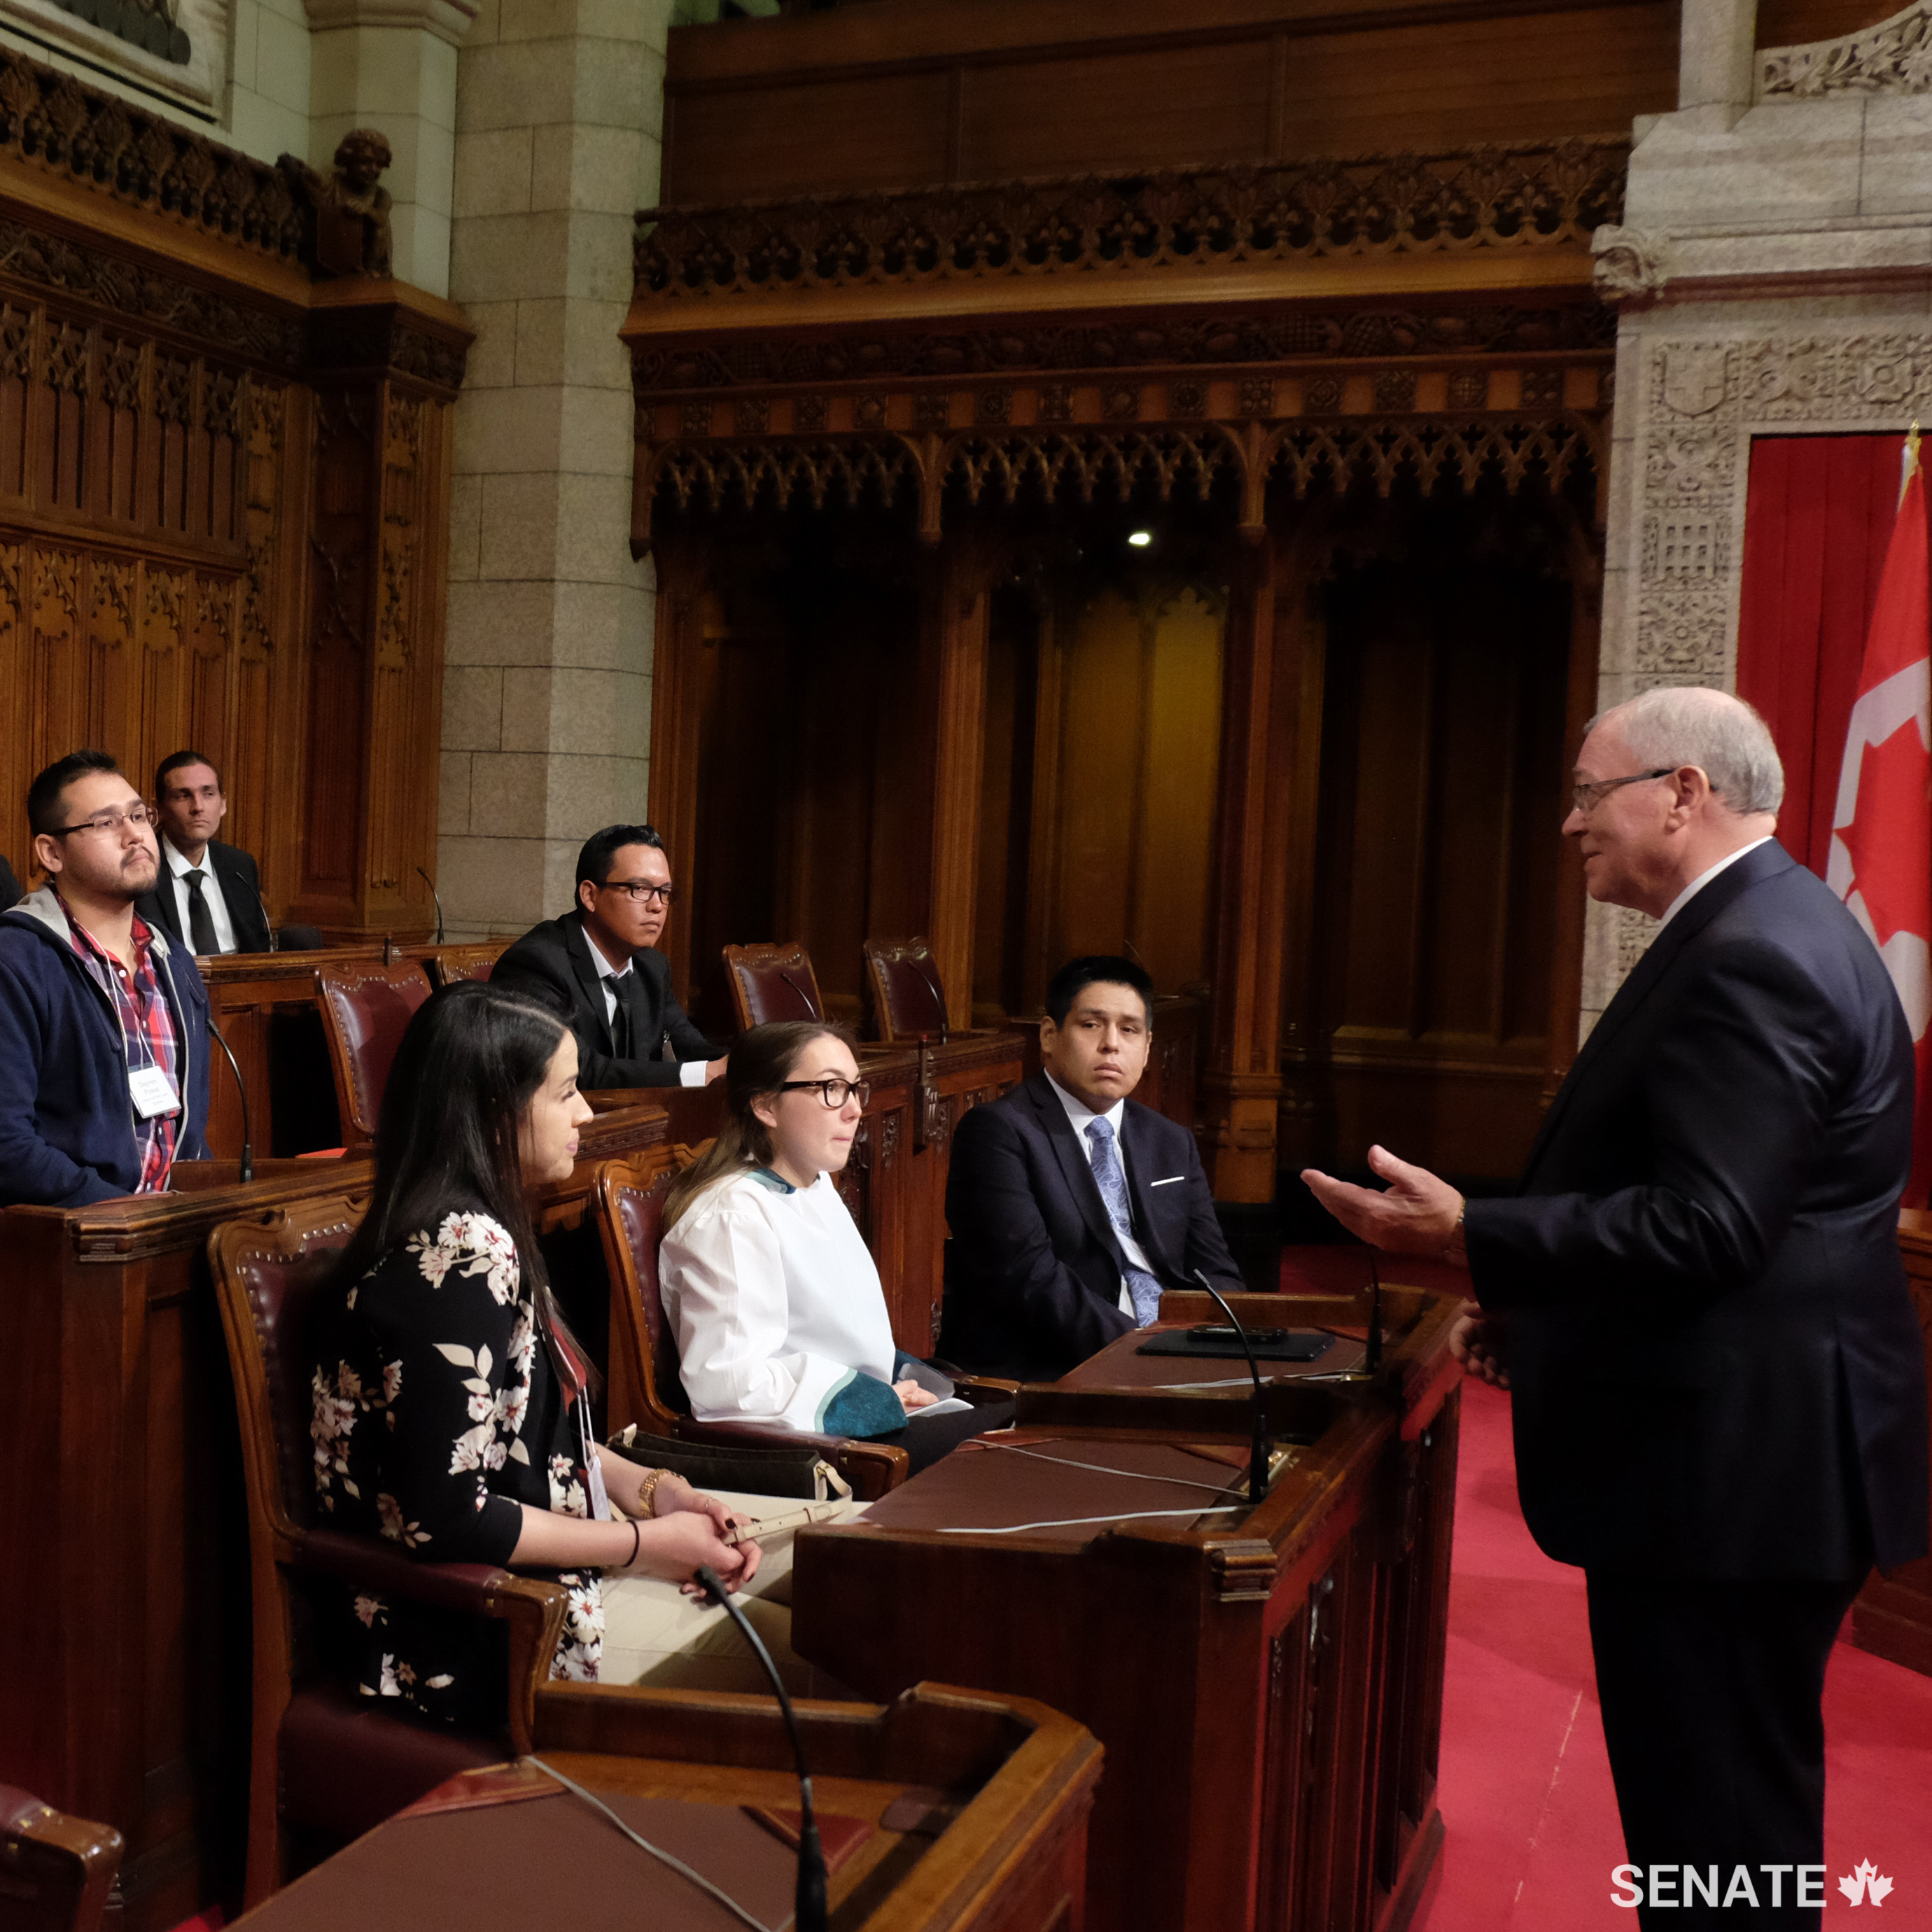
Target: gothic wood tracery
column 161, row 376
column 1524, row 195
column 857, row 380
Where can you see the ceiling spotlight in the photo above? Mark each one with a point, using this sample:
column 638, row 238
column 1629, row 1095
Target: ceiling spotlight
column 1140, row 539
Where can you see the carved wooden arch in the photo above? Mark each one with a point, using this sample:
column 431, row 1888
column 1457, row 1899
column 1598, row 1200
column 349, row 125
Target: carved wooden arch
column 1429, row 448
column 1298, row 452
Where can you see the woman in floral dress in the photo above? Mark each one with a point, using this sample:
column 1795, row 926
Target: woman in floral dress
column 451, row 1410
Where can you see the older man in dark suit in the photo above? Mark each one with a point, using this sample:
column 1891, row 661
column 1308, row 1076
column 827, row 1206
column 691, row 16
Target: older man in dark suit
column 1071, row 1206
column 601, row 960
column 1696, row 1297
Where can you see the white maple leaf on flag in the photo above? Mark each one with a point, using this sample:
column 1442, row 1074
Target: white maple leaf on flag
column 1866, row 1884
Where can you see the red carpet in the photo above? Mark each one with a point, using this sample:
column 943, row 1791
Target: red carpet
column 1525, row 1786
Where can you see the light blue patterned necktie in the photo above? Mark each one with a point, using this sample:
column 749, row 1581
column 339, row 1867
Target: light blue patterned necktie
column 1113, row 1186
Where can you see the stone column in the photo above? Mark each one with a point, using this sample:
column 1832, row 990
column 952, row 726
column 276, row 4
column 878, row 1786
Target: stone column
column 547, row 684
column 390, row 64
column 1714, row 59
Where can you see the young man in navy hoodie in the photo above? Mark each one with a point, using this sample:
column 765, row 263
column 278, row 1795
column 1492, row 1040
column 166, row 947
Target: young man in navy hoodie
column 104, row 1024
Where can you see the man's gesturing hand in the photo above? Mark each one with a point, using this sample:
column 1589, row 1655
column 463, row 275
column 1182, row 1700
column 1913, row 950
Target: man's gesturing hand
column 1417, row 1215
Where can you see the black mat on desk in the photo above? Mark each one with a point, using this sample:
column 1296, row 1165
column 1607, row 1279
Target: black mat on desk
column 1298, row 1345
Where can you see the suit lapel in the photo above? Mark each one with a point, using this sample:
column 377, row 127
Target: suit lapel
column 1075, row 1167
column 1137, row 1170
column 165, row 904
column 576, row 944
column 1767, row 861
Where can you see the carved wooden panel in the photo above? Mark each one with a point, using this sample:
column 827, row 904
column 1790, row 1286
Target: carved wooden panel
column 864, row 99
column 139, row 567
column 176, row 544
column 1426, row 1019
column 1152, row 228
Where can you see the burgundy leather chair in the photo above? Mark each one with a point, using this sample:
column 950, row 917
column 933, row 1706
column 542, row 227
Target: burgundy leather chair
column 447, row 965
column 644, row 1385
column 772, row 981
column 908, row 1001
column 56, row 1872
column 366, row 1004
column 326, row 1763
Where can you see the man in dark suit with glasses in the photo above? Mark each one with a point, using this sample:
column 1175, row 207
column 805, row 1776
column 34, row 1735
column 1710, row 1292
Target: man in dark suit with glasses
column 602, row 961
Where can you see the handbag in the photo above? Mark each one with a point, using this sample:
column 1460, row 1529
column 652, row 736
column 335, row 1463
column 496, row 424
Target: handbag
column 776, row 1471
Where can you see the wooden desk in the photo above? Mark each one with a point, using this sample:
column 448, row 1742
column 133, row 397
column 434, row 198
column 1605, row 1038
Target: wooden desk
column 1893, row 1616
column 895, row 1183
column 1266, row 1682
column 124, row 1630
column 1016, row 1782
column 264, row 1003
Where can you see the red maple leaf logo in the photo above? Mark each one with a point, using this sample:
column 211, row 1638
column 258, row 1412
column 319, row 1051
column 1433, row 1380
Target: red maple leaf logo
column 1889, row 839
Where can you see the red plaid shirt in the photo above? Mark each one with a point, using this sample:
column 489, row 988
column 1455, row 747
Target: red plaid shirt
column 148, row 1030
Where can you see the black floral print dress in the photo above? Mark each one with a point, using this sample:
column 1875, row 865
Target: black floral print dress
column 438, row 1411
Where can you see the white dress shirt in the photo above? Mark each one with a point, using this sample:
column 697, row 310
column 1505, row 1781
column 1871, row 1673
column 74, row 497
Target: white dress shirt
column 1080, row 1114
column 690, row 1073
column 775, row 1299
column 210, row 893
column 1704, row 878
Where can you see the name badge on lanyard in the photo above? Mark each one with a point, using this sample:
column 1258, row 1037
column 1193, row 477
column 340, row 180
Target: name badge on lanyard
column 152, row 1092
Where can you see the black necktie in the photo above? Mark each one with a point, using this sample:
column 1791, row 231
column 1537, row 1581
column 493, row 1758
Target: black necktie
column 200, row 920
column 620, row 1017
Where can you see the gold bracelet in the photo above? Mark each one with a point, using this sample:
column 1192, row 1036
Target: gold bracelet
column 647, row 1493
column 1455, row 1241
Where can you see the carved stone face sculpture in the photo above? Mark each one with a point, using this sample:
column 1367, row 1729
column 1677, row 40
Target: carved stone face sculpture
column 361, row 158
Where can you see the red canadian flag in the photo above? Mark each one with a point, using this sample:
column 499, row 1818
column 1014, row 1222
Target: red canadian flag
column 1881, row 863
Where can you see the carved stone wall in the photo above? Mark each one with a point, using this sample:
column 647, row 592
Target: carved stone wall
column 1695, row 384
column 1773, row 272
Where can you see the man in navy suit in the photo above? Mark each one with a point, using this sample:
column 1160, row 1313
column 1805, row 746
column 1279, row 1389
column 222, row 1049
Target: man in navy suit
column 1696, row 1297
column 1072, row 1206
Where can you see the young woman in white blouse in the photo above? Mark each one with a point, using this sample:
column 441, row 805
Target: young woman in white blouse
column 768, row 1284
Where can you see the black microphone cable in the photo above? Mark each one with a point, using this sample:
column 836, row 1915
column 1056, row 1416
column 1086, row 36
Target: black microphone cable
column 808, row 1904
column 247, row 1170
column 435, row 896
column 1260, row 1451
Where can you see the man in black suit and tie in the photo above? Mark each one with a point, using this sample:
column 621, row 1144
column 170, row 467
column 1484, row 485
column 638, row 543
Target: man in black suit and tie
column 1072, row 1206
column 602, row 959
column 208, row 895
column 1696, row 1297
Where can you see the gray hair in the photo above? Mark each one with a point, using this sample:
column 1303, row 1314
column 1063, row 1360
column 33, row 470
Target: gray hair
column 1693, row 725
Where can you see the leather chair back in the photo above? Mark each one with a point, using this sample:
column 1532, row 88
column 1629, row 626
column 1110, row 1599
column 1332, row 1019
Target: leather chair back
column 365, row 1006
column 323, row 1760
column 908, row 1002
column 269, row 1277
column 772, row 981
column 56, row 1872
column 644, row 1386
column 449, row 963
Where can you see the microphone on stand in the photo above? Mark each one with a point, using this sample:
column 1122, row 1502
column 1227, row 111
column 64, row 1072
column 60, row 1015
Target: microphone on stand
column 275, row 943
column 241, row 1087
column 809, row 1900
column 1371, row 1356
column 1261, row 1451
column 438, row 897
